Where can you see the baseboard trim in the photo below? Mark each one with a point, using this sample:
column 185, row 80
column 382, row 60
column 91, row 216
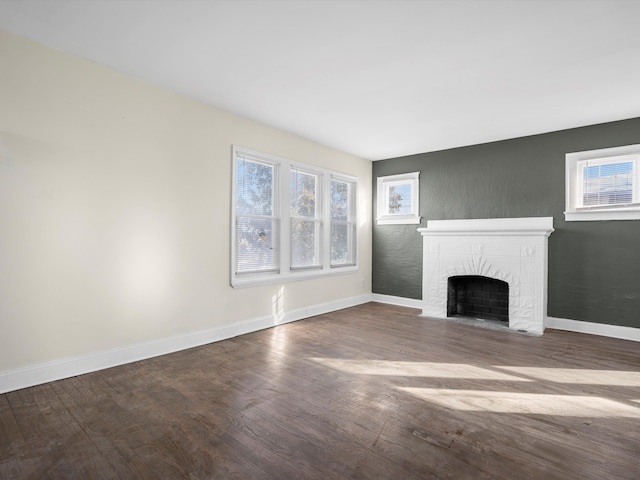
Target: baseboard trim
column 602, row 329
column 70, row 367
column 400, row 301
column 578, row 326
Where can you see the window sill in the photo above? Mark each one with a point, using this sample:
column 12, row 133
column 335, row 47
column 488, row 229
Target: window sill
column 269, row 279
column 600, row 215
column 398, row 221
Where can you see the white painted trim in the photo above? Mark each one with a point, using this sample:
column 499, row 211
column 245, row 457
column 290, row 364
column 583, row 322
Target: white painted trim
column 401, row 301
column 490, row 226
column 602, row 329
column 599, row 215
column 254, row 280
column 399, row 220
column 383, row 184
column 575, row 212
column 69, row 367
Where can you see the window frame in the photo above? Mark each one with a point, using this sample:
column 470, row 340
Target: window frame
column 274, row 217
column 384, row 184
column 350, row 223
column 317, row 219
column 575, row 211
column 287, row 273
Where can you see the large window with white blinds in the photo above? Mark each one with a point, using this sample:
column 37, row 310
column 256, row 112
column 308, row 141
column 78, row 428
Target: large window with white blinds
column 603, row 184
column 290, row 220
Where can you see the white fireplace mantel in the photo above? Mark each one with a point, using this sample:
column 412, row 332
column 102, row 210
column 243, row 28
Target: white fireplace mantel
column 513, row 250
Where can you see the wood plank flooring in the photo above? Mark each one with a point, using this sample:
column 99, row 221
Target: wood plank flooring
column 370, row 392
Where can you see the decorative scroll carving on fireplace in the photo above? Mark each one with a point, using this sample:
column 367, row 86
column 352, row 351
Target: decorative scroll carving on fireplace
column 513, row 250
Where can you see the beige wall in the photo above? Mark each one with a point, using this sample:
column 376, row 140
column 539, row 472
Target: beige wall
column 114, row 210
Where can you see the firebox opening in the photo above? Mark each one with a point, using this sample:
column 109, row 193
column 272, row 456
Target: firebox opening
column 478, row 297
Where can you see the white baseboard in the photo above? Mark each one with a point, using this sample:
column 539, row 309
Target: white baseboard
column 70, row 367
column 401, row 301
column 602, row 329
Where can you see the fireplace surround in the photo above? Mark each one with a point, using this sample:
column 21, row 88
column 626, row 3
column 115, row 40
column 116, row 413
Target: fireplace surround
column 513, row 250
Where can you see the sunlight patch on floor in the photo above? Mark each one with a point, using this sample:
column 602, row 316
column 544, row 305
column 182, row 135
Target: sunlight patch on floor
column 579, row 376
column 416, row 369
column 279, row 340
column 527, row 403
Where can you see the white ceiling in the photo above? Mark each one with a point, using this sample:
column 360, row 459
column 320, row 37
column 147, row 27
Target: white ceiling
column 378, row 79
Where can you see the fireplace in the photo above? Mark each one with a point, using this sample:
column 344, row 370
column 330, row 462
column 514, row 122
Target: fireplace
column 512, row 251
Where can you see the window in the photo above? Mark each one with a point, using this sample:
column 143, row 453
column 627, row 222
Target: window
column 603, row 184
column 306, row 223
column 343, row 226
column 398, row 199
column 257, row 223
column 290, row 220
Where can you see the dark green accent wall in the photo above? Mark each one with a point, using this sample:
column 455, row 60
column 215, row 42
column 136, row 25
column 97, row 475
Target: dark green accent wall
column 594, row 267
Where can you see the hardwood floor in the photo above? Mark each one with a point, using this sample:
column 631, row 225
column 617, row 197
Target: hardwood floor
column 370, row 392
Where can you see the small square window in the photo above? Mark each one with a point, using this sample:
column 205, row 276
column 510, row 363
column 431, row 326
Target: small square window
column 398, row 199
column 603, row 184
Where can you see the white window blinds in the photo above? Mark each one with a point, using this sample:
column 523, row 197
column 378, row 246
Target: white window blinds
column 257, row 222
column 608, row 181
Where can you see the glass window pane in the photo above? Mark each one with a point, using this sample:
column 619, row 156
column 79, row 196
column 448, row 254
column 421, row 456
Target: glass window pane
column 608, row 184
column 305, row 243
column 342, row 223
column 341, row 244
column 305, row 224
column 339, row 200
column 257, row 244
column 303, row 188
column 254, row 187
column 400, row 199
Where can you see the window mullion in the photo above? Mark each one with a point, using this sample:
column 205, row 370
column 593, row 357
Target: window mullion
column 326, row 221
column 352, row 224
column 285, row 216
